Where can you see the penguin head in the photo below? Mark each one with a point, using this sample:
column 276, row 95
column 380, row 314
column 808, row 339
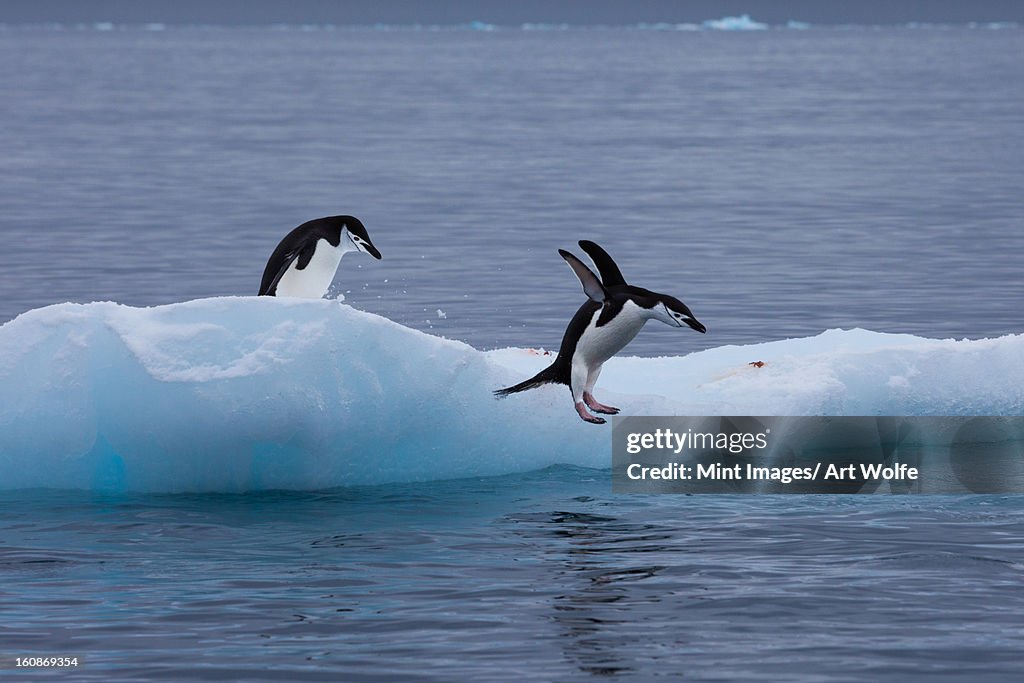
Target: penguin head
column 354, row 232
column 674, row 312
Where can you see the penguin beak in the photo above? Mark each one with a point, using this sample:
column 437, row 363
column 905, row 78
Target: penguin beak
column 695, row 324
column 365, row 246
column 371, row 250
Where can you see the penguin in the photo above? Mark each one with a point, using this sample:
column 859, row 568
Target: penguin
column 612, row 315
column 304, row 263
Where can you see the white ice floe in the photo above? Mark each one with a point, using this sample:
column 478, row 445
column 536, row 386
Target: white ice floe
column 246, row 393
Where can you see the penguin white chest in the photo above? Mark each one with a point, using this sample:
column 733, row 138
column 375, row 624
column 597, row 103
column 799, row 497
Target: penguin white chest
column 598, row 344
column 312, row 281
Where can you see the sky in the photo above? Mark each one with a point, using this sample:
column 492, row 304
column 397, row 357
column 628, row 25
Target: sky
column 506, row 11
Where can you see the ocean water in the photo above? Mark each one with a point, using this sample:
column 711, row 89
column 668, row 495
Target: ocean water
column 780, row 182
column 543, row 575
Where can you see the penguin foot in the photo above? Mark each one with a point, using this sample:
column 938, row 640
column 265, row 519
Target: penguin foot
column 582, row 410
column 593, row 404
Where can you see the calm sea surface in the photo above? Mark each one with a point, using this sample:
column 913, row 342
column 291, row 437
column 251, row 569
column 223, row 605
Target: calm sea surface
column 780, row 182
column 544, row 575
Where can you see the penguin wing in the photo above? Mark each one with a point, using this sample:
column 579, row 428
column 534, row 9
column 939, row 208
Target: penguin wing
column 611, row 276
column 591, row 285
column 283, row 261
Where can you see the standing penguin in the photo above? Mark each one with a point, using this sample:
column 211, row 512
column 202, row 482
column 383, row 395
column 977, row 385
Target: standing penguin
column 603, row 325
column 304, row 263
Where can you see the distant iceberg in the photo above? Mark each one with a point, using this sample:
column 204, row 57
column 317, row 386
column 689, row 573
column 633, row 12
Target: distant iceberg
column 544, row 27
column 995, row 25
column 797, row 25
column 740, row 23
column 250, row 393
column 662, row 26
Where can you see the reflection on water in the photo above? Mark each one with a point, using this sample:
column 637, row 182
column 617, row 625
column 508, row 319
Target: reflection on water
column 601, row 635
column 545, row 574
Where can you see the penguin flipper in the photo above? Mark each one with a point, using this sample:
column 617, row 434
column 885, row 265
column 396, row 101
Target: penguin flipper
column 591, row 285
column 305, row 254
column 611, row 276
column 270, row 278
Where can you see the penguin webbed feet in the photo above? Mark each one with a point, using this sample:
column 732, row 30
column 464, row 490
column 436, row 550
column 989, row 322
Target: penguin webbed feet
column 587, row 417
column 598, row 407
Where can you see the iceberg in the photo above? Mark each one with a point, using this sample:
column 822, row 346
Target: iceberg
column 544, row 27
column 663, row 26
column 740, row 23
column 253, row 393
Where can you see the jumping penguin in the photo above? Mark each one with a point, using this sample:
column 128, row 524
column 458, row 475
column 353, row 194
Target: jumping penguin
column 304, row 263
column 603, row 325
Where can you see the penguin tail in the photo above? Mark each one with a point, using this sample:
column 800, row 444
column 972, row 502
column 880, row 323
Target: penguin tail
column 545, row 376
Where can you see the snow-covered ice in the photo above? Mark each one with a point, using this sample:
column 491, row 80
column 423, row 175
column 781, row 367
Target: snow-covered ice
column 243, row 393
column 741, row 23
